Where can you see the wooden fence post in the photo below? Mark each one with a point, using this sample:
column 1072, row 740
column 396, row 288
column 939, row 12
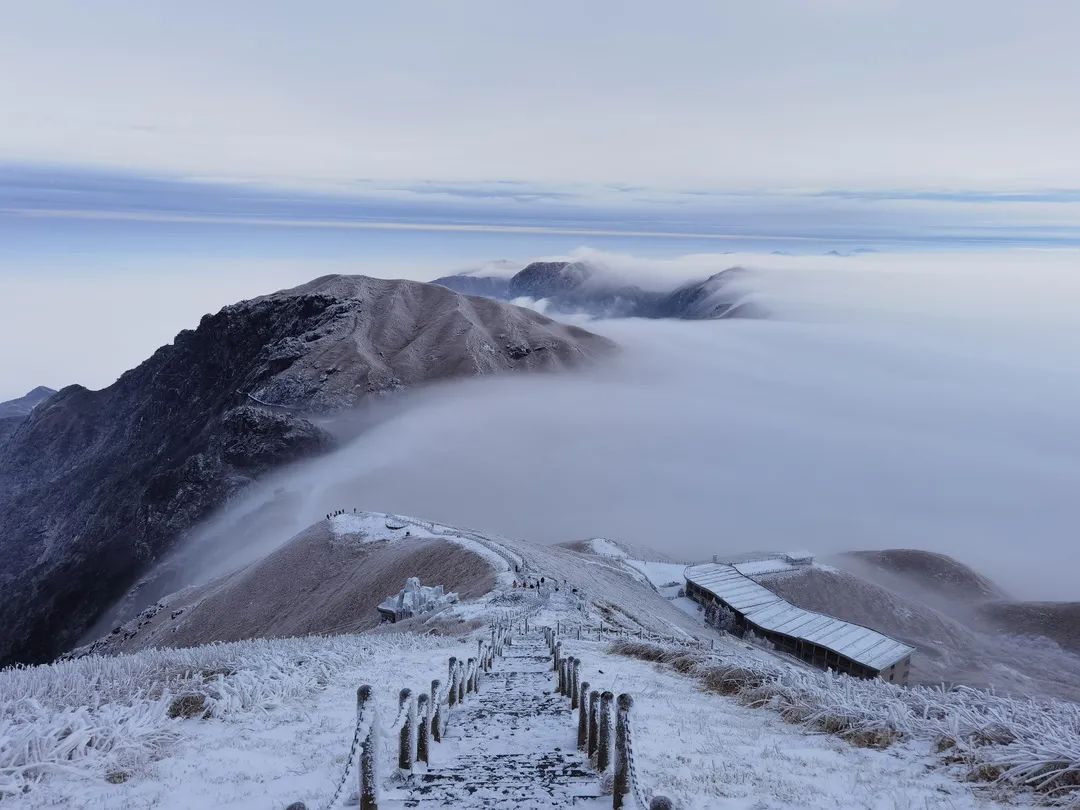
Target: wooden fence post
column 408, row 728
column 575, row 665
column 368, row 759
column 436, row 711
column 422, row 711
column 462, row 672
column 558, row 654
column 622, row 765
column 583, row 717
column 603, row 748
column 470, row 676
column 452, row 681
column 594, row 719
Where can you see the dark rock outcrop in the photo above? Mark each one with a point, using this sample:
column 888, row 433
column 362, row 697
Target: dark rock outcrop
column 578, row 288
column 96, row 485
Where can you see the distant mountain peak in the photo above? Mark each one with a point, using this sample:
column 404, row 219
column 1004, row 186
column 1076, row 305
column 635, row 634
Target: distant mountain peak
column 26, row 403
column 576, row 287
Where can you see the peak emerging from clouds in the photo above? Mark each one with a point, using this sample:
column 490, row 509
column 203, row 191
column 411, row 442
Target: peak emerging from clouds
column 583, row 288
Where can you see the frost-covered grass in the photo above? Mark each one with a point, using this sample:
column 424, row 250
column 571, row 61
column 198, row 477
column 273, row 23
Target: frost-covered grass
column 108, row 717
column 708, row 753
column 1034, row 743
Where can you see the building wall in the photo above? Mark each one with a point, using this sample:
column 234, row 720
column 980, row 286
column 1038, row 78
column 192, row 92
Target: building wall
column 807, row 651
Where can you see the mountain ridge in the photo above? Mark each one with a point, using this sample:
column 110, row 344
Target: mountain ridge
column 579, row 288
column 96, row 485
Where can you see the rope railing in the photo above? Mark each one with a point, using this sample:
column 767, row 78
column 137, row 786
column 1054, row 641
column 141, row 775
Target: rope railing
column 419, row 718
column 609, row 746
column 583, row 631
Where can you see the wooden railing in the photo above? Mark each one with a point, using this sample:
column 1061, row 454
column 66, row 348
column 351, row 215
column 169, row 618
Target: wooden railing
column 607, row 748
column 583, row 631
column 421, row 718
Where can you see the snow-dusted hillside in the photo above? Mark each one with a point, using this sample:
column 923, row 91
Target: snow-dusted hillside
column 717, row 723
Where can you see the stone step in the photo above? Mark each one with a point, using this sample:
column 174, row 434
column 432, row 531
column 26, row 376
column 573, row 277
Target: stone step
column 512, row 744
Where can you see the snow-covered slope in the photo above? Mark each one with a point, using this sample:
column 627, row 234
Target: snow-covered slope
column 718, row 723
column 328, row 579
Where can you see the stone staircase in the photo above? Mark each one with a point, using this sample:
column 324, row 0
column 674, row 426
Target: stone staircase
column 513, row 746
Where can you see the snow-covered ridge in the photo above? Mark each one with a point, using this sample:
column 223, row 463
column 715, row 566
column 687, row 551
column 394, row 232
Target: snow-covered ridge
column 367, row 527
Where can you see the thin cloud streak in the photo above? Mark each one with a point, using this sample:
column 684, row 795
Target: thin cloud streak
column 128, row 216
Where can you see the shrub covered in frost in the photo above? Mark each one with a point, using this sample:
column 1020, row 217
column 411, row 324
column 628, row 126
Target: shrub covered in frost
column 113, row 713
column 1030, row 742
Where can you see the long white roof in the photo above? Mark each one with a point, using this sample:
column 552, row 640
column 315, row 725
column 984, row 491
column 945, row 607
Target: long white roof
column 768, row 611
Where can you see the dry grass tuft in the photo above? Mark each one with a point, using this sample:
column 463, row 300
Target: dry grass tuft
column 192, row 704
column 879, row 738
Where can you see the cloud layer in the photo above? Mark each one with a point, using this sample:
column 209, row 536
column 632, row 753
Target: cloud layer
column 927, row 403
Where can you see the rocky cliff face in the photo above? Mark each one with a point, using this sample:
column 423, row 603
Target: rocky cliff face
column 96, row 485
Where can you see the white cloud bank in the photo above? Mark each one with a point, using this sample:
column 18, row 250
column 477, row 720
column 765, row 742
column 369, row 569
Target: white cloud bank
column 912, row 401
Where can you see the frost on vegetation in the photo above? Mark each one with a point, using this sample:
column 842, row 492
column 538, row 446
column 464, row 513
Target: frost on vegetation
column 1028, row 742
column 415, row 599
column 111, row 714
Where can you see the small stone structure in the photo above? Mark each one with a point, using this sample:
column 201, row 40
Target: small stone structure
column 414, row 599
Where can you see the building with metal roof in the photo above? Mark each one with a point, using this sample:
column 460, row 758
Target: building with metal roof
column 818, row 639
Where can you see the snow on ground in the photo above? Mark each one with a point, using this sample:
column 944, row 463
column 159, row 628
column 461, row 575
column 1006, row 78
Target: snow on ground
column 605, row 548
column 368, row 526
column 988, row 734
column 708, row 752
column 755, row 568
column 283, row 718
column 662, row 575
column 95, row 732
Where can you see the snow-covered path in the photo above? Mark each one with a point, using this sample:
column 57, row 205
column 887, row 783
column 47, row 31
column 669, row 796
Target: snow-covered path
column 510, row 747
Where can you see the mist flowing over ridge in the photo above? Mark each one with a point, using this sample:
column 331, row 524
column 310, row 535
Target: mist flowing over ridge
column 888, row 402
column 97, row 485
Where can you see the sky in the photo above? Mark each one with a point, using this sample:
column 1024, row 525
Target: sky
column 787, row 94
column 162, row 160
column 902, row 177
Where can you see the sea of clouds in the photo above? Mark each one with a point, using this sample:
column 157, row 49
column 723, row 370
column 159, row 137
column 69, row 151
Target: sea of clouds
column 890, row 400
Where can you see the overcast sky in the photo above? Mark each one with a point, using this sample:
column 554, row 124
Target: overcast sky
column 162, row 159
column 852, row 93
